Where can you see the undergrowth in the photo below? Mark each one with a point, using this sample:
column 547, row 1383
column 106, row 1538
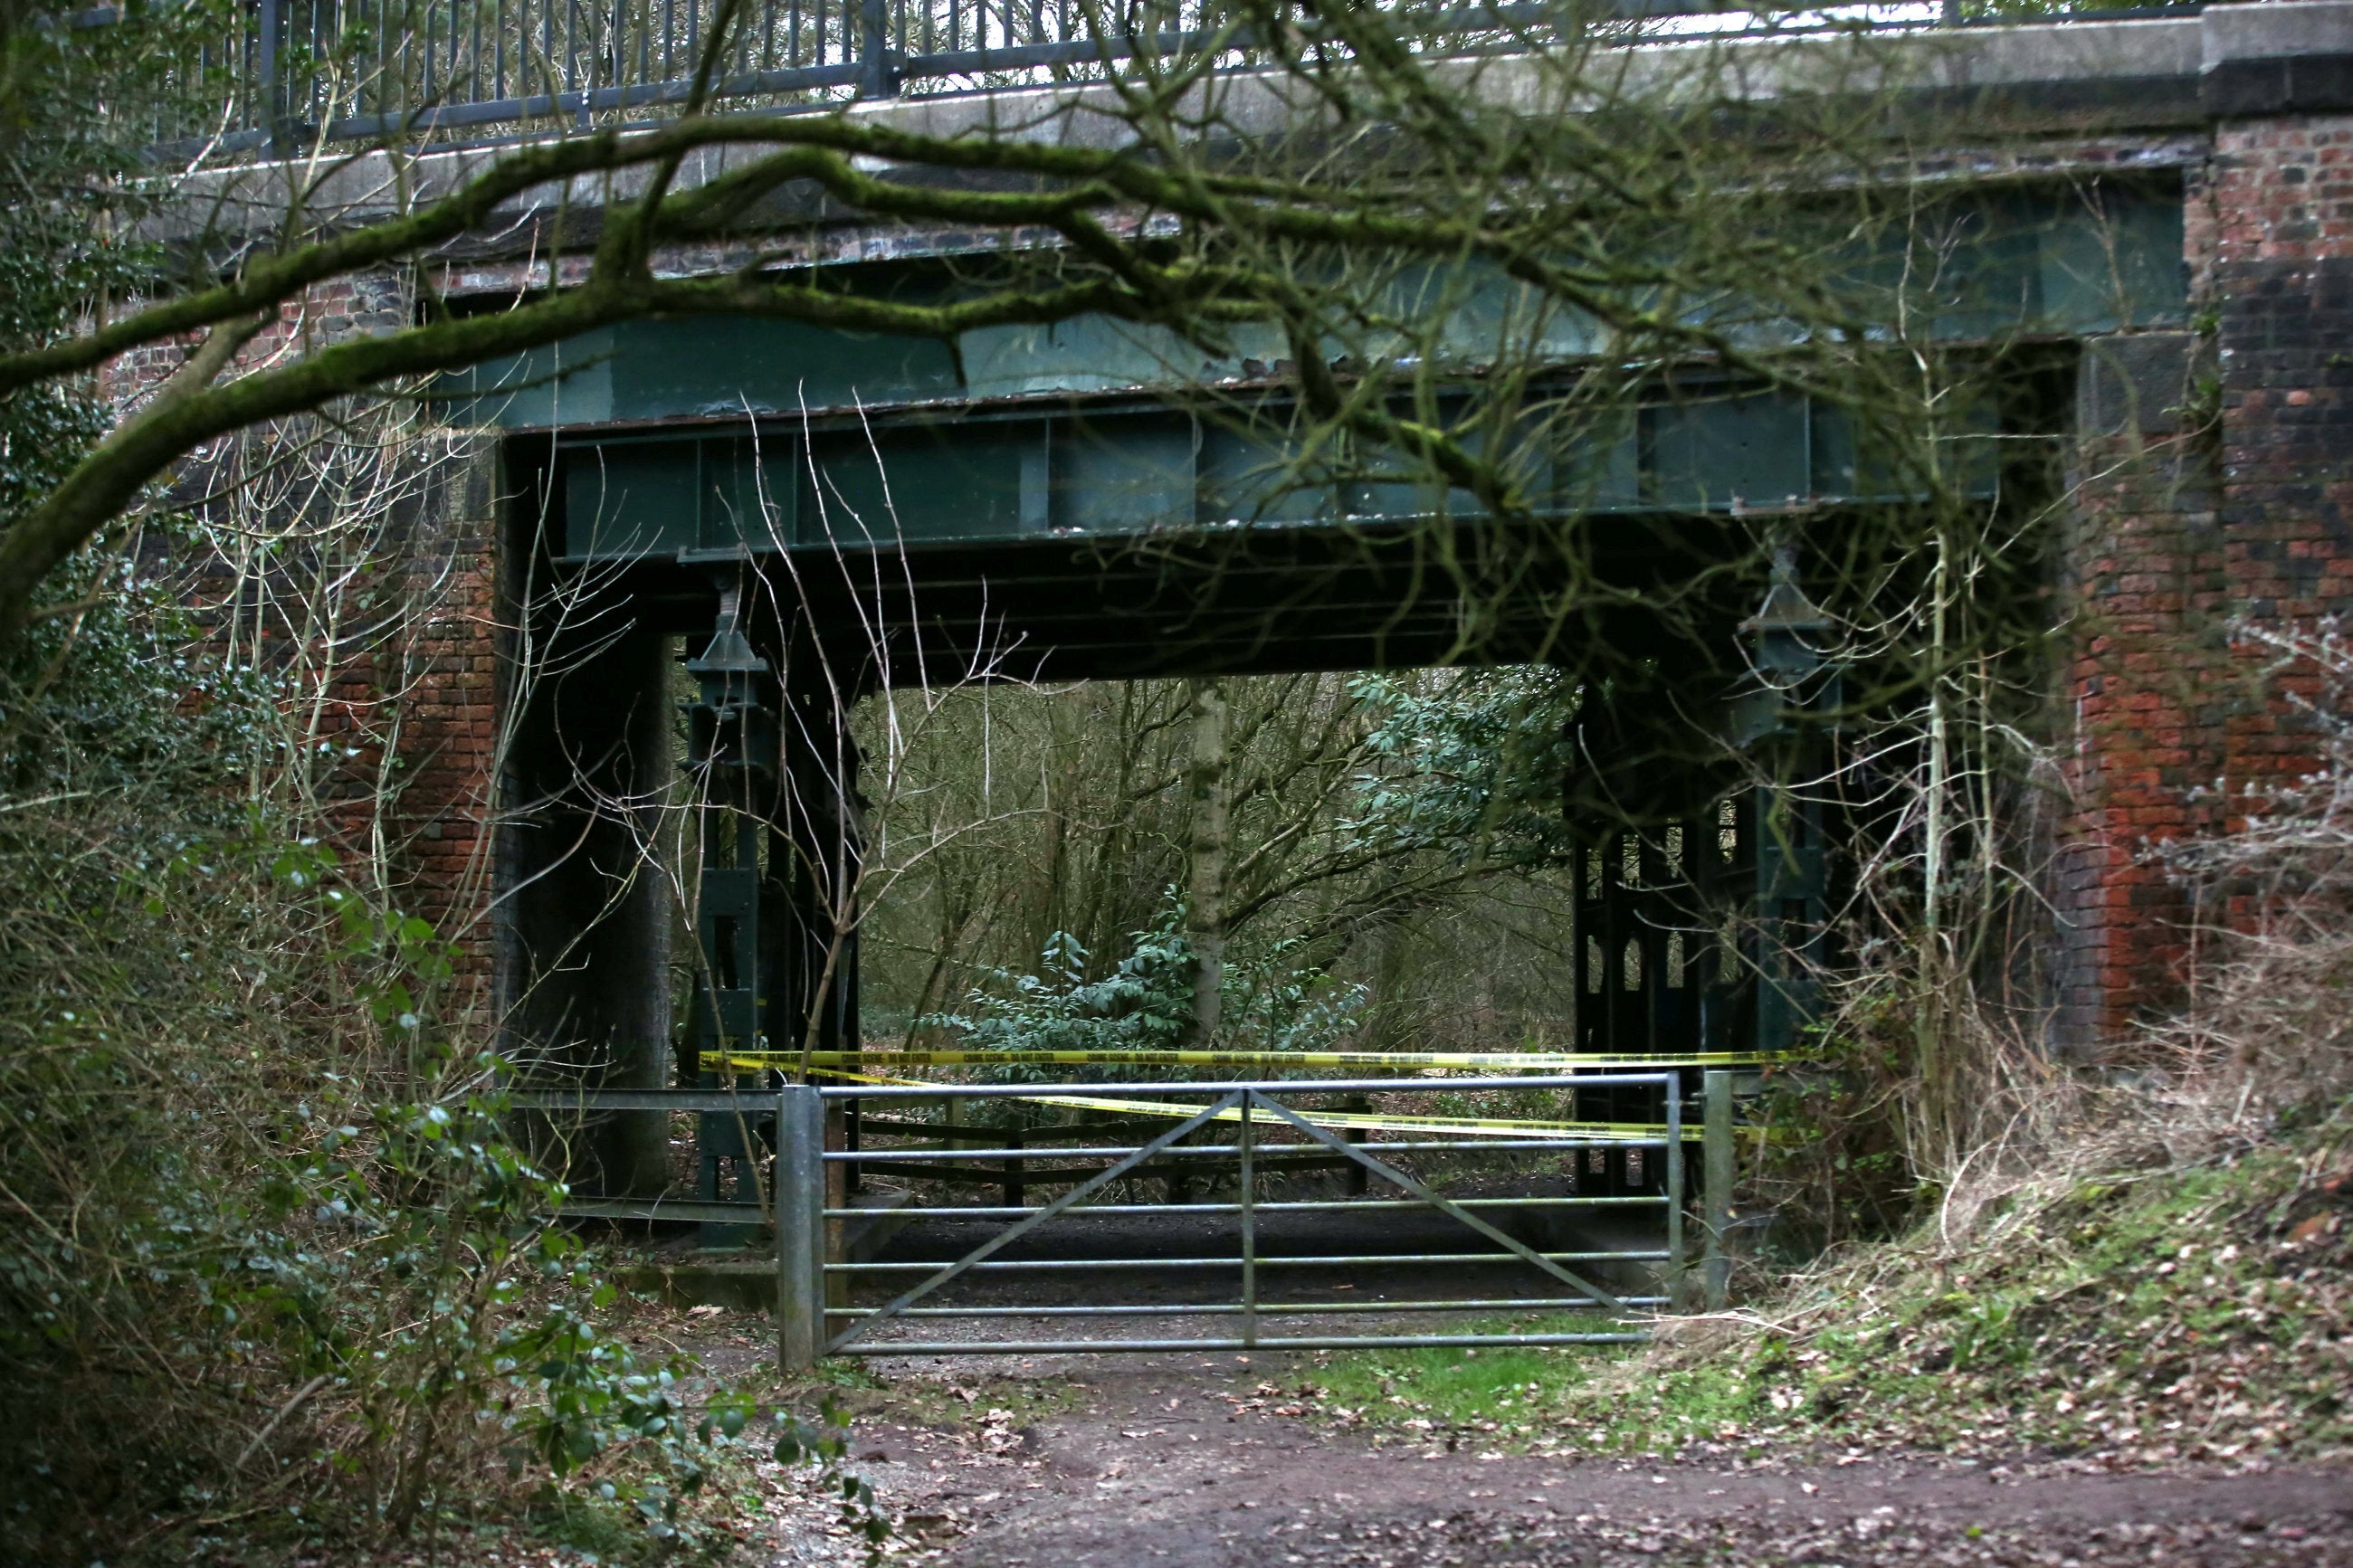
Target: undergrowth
column 2204, row 1313
column 273, row 1274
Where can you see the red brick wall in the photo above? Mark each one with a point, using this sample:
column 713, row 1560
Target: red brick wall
column 450, row 741
column 421, row 685
column 2283, row 281
column 340, row 307
column 2180, row 528
column 2143, row 591
column 429, row 691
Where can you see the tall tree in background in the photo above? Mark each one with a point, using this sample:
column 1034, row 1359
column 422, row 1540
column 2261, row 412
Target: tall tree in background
column 1212, row 845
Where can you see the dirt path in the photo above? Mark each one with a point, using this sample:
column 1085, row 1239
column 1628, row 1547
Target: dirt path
column 1164, row 1460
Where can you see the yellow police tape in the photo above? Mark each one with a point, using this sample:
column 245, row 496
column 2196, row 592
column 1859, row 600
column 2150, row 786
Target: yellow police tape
column 1517, row 1061
column 1467, row 1126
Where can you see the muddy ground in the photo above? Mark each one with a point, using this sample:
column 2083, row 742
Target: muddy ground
column 1198, row 1461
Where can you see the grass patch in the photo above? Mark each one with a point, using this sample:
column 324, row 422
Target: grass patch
column 1498, row 1396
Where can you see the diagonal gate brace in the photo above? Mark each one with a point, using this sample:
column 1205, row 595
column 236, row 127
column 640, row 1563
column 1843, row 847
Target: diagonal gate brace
column 1002, row 1238
column 1391, row 1173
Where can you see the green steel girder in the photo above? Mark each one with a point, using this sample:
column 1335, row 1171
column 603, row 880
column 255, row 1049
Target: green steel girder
column 2062, row 260
column 1137, row 470
column 681, row 438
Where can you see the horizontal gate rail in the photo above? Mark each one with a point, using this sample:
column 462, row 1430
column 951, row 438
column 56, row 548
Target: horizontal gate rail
column 1287, row 1205
column 893, row 1091
column 1316, row 1342
column 1249, row 1110
column 1337, row 1260
column 595, row 1101
column 685, row 1210
column 1213, row 1149
column 1231, row 1308
column 1491, row 1145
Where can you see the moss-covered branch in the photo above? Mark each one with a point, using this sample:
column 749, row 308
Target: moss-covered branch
column 191, row 409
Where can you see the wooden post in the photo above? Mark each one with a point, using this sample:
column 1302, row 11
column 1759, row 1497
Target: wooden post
column 1716, row 1177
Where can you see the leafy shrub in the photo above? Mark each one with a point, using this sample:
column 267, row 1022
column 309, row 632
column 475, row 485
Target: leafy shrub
column 266, row 1242
column 1471, row 770
column 1145, row 1003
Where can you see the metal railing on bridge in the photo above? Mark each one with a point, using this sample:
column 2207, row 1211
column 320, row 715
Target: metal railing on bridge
column 293, row 74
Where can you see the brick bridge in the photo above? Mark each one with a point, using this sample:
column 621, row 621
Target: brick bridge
column 2215, row 148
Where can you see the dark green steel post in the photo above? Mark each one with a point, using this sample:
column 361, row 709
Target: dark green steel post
column 731, row 748
column 1784, row 825
column 877, row 74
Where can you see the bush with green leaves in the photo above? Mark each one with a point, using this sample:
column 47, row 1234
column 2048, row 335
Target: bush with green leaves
column 1469, row 768
column 75, row 102
column 367, row 1314
column 408, row 1271
column 1144, row 1003
column 824, row 1444
column 263, row 1209
column 1273, row 1002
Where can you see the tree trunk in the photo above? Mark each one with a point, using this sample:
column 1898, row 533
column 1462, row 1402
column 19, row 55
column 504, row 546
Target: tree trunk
column 1212, row 846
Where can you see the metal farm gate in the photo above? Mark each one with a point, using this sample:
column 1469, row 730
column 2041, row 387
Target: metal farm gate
column 1210, row 1136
